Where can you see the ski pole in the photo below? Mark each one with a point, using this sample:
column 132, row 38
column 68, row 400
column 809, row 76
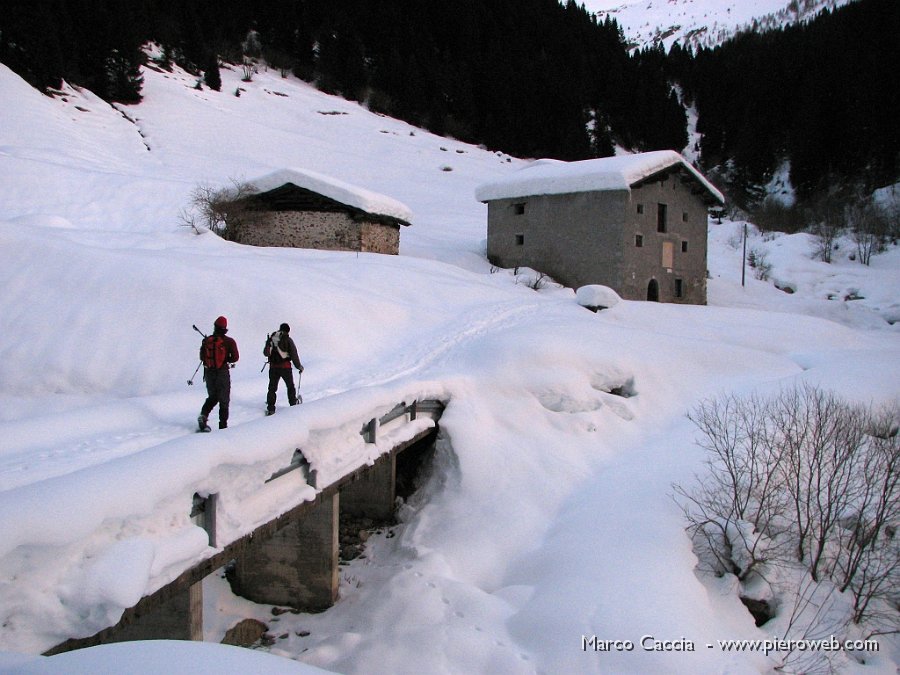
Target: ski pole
column 191, row 381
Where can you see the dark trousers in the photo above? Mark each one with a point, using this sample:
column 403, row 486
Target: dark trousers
column 276, row 374
column 218, row 389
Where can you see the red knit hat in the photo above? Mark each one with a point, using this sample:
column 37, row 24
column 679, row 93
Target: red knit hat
column 221, row 322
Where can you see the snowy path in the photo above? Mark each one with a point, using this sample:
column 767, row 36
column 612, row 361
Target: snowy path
column 53, row 444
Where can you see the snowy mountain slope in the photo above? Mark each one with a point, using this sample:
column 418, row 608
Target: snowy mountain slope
column 547, row 514
column 702, row 23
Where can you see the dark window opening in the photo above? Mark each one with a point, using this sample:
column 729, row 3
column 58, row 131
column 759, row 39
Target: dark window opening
column 640, row 208
column 684, row 216
column 520, row 240
column 661, row 218
column 519, row 209
column 679, row 288
column 684, row 247
column 639, row 240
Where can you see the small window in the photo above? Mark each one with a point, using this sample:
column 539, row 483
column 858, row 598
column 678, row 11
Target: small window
column 684, row 216
column 639, row 240
column 520, row 240
column 519, row 209
column 640, row 208
column 679, row 288
column 661, row 218
column 684, row 247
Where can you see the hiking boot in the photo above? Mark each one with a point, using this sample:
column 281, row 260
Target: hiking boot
column 223, row 425
column 270, row 412
column 201, row 423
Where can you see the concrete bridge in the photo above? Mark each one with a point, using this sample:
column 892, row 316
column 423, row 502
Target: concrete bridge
column 291, row 560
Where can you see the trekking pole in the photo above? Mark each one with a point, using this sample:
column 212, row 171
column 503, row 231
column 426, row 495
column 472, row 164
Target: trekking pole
column 268, row 346
column 191, row 381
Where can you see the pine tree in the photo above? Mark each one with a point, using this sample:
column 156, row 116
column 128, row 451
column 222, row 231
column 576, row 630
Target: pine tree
column 211, row 75
column 123, row 77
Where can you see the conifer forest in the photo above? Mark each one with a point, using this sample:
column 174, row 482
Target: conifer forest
column 533, row 78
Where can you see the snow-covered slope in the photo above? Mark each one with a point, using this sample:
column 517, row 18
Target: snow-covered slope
column 702, row 23
column 546, row 516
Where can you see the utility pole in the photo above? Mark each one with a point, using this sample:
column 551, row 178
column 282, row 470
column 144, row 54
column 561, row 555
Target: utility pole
column 744, row 258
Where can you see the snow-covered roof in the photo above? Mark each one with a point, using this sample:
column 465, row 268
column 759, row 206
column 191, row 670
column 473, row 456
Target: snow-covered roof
column 339, row 191
column 553, row 177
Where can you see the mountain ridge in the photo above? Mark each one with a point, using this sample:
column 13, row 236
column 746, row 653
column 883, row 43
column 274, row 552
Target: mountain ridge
column 703, row 23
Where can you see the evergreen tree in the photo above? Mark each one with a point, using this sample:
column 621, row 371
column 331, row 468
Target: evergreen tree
column 211, row 75
column 123, row 77
column 341, row 60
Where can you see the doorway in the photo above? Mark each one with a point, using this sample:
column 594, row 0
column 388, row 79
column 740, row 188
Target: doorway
column 653, row 291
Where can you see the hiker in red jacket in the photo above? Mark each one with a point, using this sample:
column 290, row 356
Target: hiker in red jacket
column 281, row 352
column 218, row 353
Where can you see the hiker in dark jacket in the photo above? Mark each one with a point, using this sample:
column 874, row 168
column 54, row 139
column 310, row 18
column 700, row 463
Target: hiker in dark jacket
column 218, row 353
column 281, row 352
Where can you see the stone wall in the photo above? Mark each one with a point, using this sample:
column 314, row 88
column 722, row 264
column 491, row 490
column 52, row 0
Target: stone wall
column 575, row 238
column 380, row 238
column 685, row 236
column 320, row 230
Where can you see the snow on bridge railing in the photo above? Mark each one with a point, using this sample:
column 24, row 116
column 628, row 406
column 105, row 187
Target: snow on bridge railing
column 405, row 413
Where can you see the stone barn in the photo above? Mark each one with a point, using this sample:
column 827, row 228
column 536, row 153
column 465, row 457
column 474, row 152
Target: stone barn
column 635, row 223
column 304, row 209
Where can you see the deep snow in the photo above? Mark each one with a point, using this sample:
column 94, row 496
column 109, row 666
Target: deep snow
column 547, row 516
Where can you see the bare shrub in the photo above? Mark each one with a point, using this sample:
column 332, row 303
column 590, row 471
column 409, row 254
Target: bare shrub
column 826, row 217
column 734, row 510
column 801, row 479
column 813, row 615
column 248, row 68
column 868, row 556
column 537, row 282
column 224, row 211
column 870, row 226
column 824, row 448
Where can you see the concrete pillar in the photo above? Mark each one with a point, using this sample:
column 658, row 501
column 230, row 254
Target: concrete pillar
column 179, row 618
column 372, row 495
column 296, row 567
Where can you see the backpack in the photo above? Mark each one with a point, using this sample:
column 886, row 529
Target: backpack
column 214, row 351
column 276, row 340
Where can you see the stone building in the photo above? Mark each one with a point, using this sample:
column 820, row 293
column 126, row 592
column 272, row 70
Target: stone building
column 303, row 209
column 635, row 223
